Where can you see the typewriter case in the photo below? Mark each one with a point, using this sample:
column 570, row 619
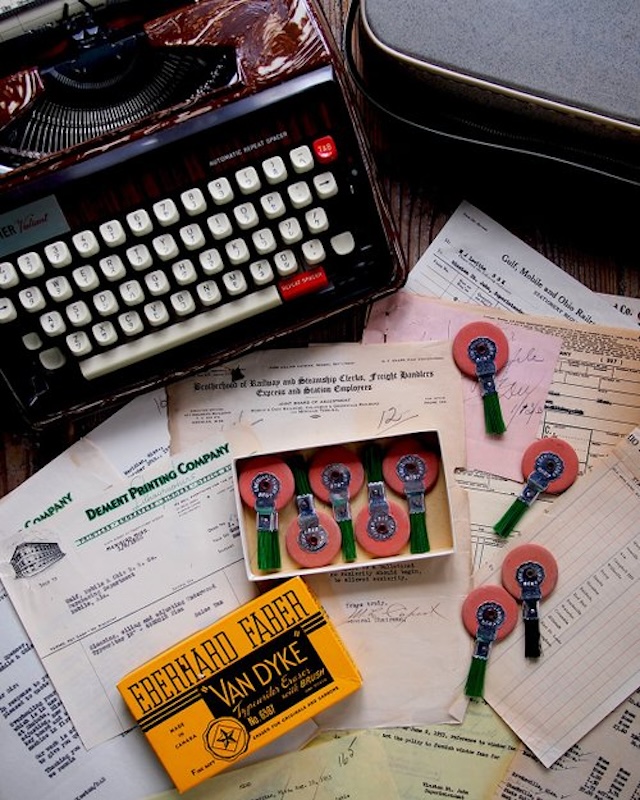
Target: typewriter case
column 547, row 79
column 275, row 43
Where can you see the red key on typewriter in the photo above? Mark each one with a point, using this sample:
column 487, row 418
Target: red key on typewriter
column 325, row 149
column 303, row 283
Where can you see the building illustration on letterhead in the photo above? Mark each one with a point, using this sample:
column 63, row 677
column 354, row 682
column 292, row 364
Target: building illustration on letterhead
column 32, row 558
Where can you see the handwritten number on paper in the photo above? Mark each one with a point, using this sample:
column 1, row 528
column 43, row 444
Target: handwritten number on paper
column 347, row 754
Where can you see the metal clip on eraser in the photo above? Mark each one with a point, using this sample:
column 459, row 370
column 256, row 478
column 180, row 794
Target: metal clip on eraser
column 313, row 539
column 480, row 350
column 382, row 528
column 489, row 613
column 336, row 475
column 266, row 484
column 549, row 465
column 530, row 573
column 409, row 469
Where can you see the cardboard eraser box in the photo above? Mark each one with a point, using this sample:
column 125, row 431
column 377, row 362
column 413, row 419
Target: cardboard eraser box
column 235, row 686
column 344, row 505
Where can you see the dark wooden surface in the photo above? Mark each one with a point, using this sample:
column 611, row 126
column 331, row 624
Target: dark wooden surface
column 585, row 225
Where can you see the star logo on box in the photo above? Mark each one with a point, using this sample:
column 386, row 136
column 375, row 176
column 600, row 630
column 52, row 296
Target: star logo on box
column 226, row 738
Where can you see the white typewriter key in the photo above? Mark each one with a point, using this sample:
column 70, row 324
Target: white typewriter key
column 112, row 268
column 166, row 212
column 131, row 293
column 316, row 220
column 219, row 225
column 165, row 247
column 184, row 272
column 264, row 241
column 52, row 359
column 32, row 341
column 234, row 282
column 261, row 272
column 139, row 222
column 139, row 256
column 220, row 191
column 193, row 202
column 78, row 313
column 53, row 323
column 86, row 278
column 7, row 310
column 112, row 233
column 210, row 261
column 30, row 265
column 58, row 254
column 157, row 282
column 299, row 194
column 182, row 303
column 86, row 243
column 130, row 323
column 248, row 180
column 59, row 288
column 290, row 230
column 325, row 185
column 301, row 159
column 272, row 205
column 192, row 237
column 105, row 302
column 274, row 169
column 313, row 251
column 156, row 313
column 343, row 243
column 285, row 262
column 8, row 275
column 246, row 216
column 79, row 343
column 208, row 293
column 105, row 333
column 32, row 299
column 237, row 251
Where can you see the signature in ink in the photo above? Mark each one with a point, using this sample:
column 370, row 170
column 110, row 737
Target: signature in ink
column 396, row 613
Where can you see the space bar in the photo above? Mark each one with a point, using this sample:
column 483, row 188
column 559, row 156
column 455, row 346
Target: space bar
column 182, row 332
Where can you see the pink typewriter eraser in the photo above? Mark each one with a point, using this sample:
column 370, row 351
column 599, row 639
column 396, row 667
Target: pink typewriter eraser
column 489, row 594
column 524, row 554
column 404, row 447
column 378, row 539
column 314, row 547
column 479, row 330
column 334, row 455
column 557, row 449
column 266, row 465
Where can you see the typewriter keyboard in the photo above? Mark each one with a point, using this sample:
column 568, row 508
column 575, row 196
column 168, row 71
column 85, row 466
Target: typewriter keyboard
column 133, row 288
column 180, row 255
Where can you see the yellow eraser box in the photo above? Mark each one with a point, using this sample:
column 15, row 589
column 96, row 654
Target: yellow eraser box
column 235, row 686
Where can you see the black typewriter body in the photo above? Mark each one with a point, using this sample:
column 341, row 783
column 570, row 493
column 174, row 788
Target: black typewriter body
column 217, row 197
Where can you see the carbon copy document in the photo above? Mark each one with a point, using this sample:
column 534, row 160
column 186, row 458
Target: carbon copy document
column 348, row 392
column 475, row 260
column 41, row 754
column 590, row 659
column 604, row 763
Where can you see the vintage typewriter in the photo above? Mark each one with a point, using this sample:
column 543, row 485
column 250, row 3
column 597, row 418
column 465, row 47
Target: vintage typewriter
column 174, row 191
